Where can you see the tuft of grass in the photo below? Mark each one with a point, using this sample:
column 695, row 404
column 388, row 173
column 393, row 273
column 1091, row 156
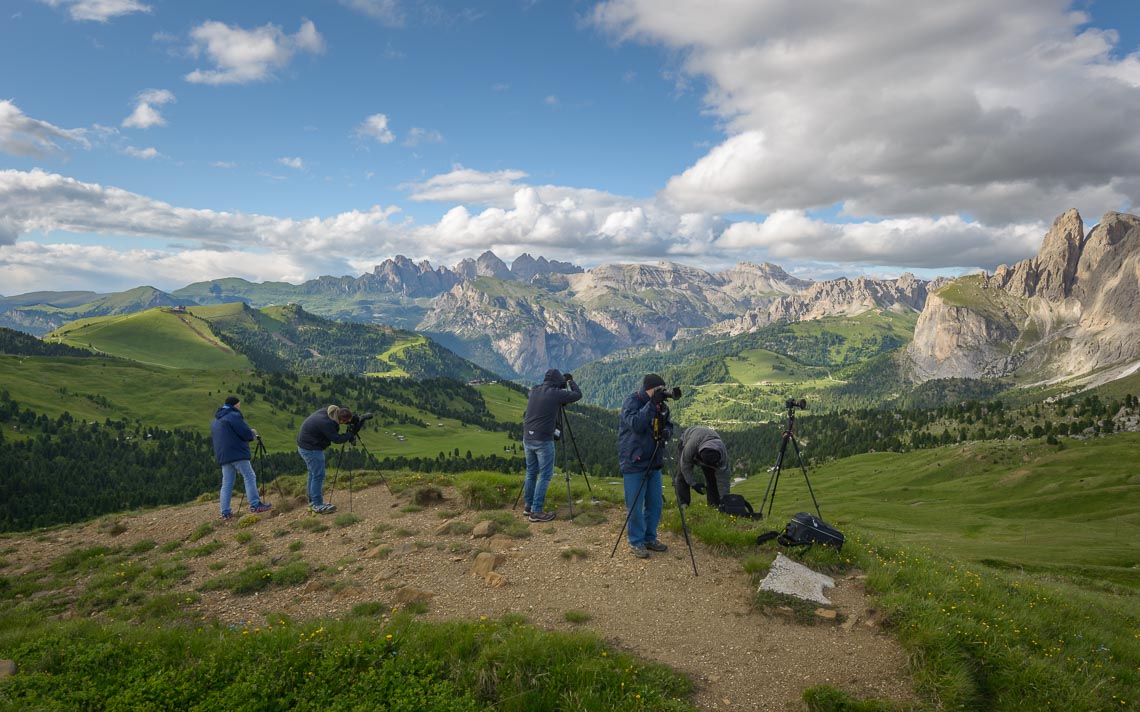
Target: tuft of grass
column 508, row 523
column 297, row 545
column 243, row 537
column 417, row 608
column 311, row 524
column 206, row 549
column 347, row 519
column 577, row 617
column 487, row 490
column 574, row 552
column 204, row 529
column 142, row 547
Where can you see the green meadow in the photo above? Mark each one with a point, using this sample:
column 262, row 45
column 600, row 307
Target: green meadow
column 1070, row 511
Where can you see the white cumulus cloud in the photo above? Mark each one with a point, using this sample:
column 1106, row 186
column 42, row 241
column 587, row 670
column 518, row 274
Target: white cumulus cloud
column 241, row 56
column 376, row 127
column 145, row 114
column 98, row 10
column 892, row 108
column 21, row 135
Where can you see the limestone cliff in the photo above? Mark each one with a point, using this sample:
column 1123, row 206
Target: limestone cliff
column 1071, row 311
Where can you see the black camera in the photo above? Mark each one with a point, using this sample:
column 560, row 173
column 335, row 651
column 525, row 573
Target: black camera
column 357, row 422
column 674, row 394
column 792, row 403
column 566, row 378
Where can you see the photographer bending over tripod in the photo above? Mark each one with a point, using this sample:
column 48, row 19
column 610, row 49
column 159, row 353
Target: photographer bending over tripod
column 539, row 432
column 231, row 438
column 702, row 446
column 320, row 430
column 642, row 433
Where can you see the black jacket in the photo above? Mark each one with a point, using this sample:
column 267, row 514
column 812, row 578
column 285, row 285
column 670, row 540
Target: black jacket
column 543, row 403
column 319, row 431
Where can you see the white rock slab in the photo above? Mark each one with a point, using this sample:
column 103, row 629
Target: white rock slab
column 793, row 579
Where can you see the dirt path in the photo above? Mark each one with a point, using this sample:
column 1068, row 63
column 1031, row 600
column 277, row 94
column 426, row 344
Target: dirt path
column 702, row 625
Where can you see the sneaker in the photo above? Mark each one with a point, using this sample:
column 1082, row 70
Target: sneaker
column 263, row 507
column 227, row 517
column 639, row 551
column 655, row 546
column 542, row 516
column 526, row 511
column 322, row 508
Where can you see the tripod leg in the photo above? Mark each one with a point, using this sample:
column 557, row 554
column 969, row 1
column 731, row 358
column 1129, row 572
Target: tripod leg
column 636, row 501
column 685, row 529
column 581, row 464
column 773, row 481
column 802, row 467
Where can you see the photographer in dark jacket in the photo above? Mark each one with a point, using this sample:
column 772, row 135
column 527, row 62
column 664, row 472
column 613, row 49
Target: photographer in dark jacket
column 644, row 428
column 320, row 430
column 540, row 428
column 231, row 438
column 702, row 448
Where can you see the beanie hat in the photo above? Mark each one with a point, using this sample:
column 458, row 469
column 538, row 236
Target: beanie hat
column 232, row 400
column 554, row 376
column 652, row 381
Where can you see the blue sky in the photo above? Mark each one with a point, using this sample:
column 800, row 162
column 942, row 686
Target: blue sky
column 163, row 142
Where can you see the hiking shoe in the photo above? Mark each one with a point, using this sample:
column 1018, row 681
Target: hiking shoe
column 655, row 546
column 263, row 507
column 526, row 511
column 639, row 551
column 227, row 517
column 322, row 508
column 542, row 516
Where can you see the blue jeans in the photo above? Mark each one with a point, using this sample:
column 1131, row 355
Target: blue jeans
column 645, row 512
column 315, row 461
column 229, row 477
column 539, row 470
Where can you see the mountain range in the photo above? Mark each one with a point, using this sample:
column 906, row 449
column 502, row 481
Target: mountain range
column 1071, row 311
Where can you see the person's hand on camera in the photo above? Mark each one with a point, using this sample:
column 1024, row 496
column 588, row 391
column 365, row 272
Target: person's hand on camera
column 568, row 377
column 255, row 435
column 658, row 394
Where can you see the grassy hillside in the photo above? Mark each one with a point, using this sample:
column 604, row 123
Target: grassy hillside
column 738, row 379
column 160, row 337
column 1071, row 511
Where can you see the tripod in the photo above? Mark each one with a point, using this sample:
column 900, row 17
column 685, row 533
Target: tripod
column 789, row 434
column 259, row 453
column 659, row 442
column 564, row 421
column 351, row 475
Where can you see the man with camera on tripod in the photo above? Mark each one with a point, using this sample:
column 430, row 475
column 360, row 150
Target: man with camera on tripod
column 320, row 430
column 540, row 430
column 232, row 436
column 642, row 433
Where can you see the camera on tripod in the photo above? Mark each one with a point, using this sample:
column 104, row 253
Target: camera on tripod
column 793, row 403
column 357, row 422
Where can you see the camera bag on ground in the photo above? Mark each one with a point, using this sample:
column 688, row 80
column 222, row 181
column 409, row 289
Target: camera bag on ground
column 737, row 506
column 806, row 529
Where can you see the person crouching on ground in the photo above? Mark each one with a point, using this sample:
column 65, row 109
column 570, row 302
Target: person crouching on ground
column 320, row 430
column 540, row 422
column 232, row 436
column 702, row 448
column 642, row 433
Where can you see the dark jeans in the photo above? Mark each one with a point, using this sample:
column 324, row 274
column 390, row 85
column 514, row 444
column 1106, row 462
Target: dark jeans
column 711, row 494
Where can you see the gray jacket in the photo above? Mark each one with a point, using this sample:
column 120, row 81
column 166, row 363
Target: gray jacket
column 695, row 439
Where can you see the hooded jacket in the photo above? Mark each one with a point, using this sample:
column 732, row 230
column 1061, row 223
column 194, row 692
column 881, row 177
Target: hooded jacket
column 231, row 435
column 638, row 450
column 543, row 403
column 319, row 431
column 693, row 441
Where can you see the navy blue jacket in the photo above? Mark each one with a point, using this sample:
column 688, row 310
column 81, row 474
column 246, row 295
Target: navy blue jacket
column 319, row 431
column 636, row 443
column 543, row 403
column 231, row 435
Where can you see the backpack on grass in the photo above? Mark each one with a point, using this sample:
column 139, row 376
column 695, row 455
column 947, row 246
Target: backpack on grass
column 804, row 530
column 735, row 505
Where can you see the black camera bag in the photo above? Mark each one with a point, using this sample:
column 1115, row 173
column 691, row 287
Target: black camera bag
column 806, row 529
column 737, row 506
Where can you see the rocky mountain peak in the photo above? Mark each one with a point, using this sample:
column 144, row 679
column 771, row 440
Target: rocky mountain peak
column 526, row 267
column 486, row 265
